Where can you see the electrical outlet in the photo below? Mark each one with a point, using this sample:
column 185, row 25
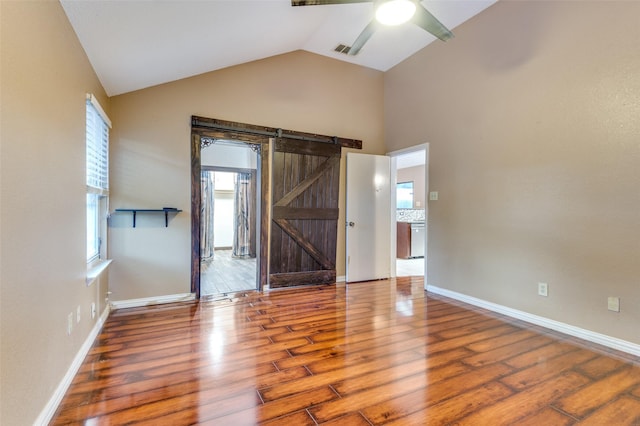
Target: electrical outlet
column 613, row 304
column 433, row 196
column 78, row 314
column 69, row 323
column 93, row 310
column 543, row 289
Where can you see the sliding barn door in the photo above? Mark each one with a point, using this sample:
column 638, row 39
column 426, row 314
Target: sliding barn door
column 304, row 220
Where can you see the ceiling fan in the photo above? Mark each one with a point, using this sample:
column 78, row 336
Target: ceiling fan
column 389, row 12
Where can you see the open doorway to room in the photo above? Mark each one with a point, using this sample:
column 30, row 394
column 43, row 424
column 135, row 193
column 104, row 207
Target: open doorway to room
column 229, row 218
column 409, row 174
column 291, row 193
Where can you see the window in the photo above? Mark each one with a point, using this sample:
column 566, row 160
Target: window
column 404, row 195
column 97, row 162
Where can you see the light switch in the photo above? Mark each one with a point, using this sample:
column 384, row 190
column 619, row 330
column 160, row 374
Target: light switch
column 433, row 196
column 613, row 304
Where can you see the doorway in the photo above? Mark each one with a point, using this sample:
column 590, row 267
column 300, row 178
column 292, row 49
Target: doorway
column 229, row 218
column 409, row 204
column 286, row 208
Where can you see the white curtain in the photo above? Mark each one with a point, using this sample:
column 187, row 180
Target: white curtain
column 206, row 214
column 243, row 216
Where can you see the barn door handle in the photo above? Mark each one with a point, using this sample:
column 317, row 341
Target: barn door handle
column 351, row 224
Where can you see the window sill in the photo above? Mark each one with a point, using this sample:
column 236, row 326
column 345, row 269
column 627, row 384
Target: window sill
column 94, row 271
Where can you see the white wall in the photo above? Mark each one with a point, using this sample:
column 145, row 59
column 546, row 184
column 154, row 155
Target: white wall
column 236, row 156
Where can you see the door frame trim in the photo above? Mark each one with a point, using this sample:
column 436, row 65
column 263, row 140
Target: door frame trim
column 196, row 204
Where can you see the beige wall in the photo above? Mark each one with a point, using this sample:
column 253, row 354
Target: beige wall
column 151, row 158
column 45, row 76
column 416, row 175
column 531, row 113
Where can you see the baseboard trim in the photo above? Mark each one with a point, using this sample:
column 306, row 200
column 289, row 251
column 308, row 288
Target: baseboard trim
column 156, row 300
column 591, row 336
column 52, row 405
column 341, row 279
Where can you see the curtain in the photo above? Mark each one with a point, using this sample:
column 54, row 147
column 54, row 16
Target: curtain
column 206, row 214
column 243, row 216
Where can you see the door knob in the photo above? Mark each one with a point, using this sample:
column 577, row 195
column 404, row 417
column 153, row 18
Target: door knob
column 351, row 224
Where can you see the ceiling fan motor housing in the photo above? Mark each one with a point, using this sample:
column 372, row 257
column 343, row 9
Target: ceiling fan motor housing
column 408, row 10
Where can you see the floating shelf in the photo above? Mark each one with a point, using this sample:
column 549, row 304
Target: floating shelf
column 165, row 210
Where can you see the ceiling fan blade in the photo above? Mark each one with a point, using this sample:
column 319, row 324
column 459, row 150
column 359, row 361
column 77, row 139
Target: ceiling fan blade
column 363, row 37
column 425, row 20
column 321, row 2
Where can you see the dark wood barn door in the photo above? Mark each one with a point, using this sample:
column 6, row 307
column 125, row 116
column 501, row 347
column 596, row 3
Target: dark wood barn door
column 304, row 220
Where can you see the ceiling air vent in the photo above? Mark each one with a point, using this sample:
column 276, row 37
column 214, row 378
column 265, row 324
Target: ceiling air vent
column 341, row 48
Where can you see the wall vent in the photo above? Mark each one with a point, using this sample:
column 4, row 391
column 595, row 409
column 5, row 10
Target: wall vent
column 341, row 48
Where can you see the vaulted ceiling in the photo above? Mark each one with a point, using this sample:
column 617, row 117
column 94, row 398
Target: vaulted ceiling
column 135, row 44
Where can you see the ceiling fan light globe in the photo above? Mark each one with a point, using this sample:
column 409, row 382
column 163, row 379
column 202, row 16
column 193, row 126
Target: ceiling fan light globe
column 395, row 12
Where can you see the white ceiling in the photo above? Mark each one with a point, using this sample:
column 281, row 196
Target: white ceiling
column 410, row 159
column 133, row 44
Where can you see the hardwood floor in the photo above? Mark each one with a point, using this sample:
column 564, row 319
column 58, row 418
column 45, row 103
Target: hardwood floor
column 226, row 274
column 410, row 267
column 382, row 352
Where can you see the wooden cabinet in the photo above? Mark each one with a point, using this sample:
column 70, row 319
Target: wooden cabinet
column 403, row 244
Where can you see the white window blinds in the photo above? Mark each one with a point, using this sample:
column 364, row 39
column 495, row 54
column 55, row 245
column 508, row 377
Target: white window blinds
column 98, row 125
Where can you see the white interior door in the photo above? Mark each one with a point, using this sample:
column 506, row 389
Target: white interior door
column 368, row 217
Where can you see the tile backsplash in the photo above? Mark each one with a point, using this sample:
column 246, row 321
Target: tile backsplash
column 410, row 215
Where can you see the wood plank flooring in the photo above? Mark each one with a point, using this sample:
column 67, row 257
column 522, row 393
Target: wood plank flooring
column 410, row 267
column 226, row 274
column 382, row 352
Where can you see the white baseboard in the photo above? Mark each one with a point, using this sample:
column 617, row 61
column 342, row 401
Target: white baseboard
column 50, row 409
column 591, row 336
column 146, row 301
column 341, row 279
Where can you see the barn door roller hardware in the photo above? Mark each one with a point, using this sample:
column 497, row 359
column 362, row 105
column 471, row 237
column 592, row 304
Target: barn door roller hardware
column 232, row 130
